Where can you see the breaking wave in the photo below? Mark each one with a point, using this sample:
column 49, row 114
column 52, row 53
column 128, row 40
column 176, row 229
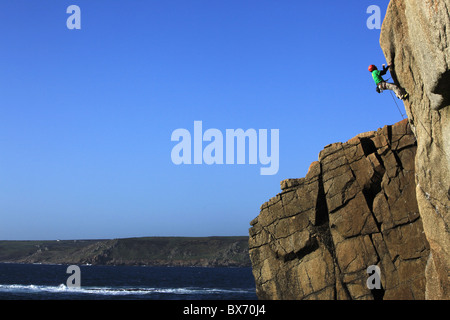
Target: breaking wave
column 113, row 291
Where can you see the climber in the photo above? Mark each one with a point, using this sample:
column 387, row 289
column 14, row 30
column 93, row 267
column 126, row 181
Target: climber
column 383, row 85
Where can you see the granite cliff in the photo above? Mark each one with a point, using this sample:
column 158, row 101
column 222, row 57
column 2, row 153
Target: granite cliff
column 382, row 198
column 415, row 37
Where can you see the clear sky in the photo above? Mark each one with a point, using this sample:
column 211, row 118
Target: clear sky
column 86, row 116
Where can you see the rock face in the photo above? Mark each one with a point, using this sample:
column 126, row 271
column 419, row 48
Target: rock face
column 415, row 37
column 355, row 208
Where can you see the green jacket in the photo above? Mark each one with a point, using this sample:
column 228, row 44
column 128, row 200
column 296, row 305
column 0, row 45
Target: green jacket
column 376, row 74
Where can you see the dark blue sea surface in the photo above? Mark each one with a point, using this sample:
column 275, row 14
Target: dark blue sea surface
column 49, row 282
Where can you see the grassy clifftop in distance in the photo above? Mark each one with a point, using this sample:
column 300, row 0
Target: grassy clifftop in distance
column 152, row 251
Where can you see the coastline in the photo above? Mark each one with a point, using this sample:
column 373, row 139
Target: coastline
column 144, row 251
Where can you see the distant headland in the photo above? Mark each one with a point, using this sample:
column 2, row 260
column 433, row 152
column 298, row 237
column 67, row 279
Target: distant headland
column 150, row 251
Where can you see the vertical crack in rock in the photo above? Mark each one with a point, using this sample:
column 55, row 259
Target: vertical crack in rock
column 324, row 231
column 321, row 212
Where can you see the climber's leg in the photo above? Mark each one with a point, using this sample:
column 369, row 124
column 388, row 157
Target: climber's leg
column 397, row 90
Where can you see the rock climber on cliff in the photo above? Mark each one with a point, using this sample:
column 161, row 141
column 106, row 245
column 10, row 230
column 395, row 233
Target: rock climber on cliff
column 383, row 85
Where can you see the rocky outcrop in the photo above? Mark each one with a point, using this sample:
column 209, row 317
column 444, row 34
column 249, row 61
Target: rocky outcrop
column 415, row 37
column 355, row 208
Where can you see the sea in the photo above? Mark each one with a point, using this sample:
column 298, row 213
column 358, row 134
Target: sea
column 56, row 282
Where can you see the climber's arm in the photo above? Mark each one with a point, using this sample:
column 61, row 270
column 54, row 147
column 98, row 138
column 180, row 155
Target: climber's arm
column 385, row 69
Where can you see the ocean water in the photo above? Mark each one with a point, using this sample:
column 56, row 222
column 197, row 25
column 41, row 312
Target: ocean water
column 49, row 282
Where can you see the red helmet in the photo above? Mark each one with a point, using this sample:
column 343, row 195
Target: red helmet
column 372, row 67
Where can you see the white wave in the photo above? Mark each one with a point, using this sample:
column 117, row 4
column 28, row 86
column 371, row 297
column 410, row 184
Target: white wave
column 18, row 288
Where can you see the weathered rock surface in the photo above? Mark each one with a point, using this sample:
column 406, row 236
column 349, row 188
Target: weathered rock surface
column 355, row 208
column 415, row 37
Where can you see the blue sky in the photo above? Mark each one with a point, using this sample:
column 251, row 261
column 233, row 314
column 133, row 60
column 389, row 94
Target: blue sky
column 86, row 116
